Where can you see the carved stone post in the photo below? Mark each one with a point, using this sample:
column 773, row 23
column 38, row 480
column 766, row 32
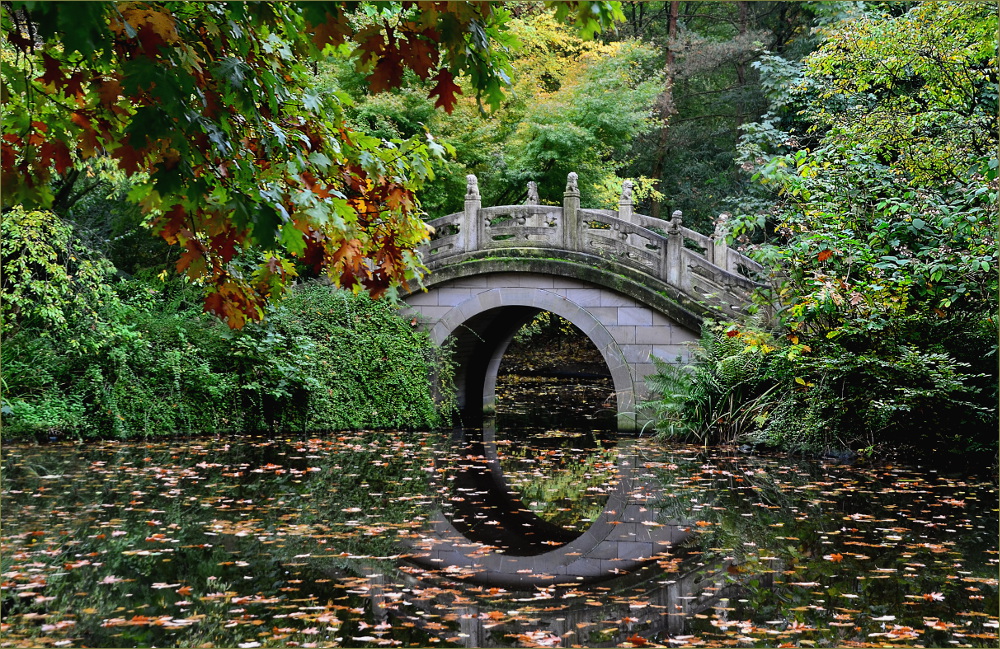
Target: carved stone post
column 625, row 202
column 571, row 213
column 675, row 242
column 532, row 193
column 471, row 225
column 720, row 254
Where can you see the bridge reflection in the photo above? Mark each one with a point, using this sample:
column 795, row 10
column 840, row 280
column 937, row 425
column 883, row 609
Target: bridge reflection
column 485, row 530
column 483, row 538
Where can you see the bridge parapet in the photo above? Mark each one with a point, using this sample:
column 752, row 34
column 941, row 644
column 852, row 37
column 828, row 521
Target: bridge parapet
column 702, row 267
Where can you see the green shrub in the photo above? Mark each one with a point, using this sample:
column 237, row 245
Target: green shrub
column 362, row 366
column 50, row 279
column 745, row 385
column 719, row 394
column 87, row 354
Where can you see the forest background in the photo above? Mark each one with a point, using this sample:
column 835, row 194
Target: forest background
column 851, row 147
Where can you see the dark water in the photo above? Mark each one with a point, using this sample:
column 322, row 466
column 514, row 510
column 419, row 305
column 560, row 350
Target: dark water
column 557, row 534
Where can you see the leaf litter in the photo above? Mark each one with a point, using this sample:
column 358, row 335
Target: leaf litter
column 316, row 542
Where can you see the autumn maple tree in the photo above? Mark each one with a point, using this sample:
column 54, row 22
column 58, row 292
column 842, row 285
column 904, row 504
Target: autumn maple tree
column 209, row 109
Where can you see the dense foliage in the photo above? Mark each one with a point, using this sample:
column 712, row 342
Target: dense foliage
column 86, row 354
column 238, row 161
column 574, row 105
column 880, row 237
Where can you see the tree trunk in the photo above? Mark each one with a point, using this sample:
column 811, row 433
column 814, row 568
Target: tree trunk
column 666, row 104
column 741, row 69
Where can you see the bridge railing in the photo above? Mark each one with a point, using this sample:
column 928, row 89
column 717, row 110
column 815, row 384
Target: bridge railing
column 703, row 267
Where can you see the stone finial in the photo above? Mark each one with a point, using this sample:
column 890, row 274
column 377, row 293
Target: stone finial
column 472, row 187
column 675, row 220
column 571, row 222
column 571, row 186
column 721, row 229
column 626, row 193
column 532, row 193
column 625, row 202
column 718, row 253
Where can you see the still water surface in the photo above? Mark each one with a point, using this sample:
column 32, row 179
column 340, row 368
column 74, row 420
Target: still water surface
column 555, row 533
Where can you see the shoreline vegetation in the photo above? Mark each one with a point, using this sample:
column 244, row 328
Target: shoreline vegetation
column 114, row 357
column 89, row 354
column 849, row 148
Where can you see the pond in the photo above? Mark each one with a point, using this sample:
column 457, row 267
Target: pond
column 533, row 531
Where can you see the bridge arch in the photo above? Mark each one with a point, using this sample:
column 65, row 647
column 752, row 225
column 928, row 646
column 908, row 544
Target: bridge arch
column 636, row 286
column 481, row 311
column 484, row 325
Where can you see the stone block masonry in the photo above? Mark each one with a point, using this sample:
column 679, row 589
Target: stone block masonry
column 624, row 279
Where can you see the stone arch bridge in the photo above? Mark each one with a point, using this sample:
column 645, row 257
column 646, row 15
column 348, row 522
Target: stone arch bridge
column 635, row 285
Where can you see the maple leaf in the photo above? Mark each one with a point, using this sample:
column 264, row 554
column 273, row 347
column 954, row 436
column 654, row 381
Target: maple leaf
column 74, row 84
column 58, row 152
column 388, row 73
column 109, row 90
column 334, row 30
column 371, row 44
column 8, row 158
column 162, row 22
column 170, row 224
column 224, row 245
column 421, row 53
column 193, row 261
column 53, row 71
column 151, row 41
column 445, row 90
column 129, row 159
column 398, row 197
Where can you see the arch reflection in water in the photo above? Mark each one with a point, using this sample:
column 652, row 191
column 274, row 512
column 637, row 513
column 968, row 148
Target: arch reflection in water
column 509, row 576
column 484, row 530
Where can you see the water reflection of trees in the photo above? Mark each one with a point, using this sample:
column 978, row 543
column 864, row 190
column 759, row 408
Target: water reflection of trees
column 215, row 541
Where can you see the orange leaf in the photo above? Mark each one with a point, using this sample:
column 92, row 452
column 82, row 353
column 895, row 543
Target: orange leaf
column 824, row 255
column 56, row 151
column 421, row 55
column 445, row 90
column 333, row 30
column 130, row 160
column 109, row 90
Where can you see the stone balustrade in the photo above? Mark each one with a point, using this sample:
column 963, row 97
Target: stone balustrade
column 703, row 267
